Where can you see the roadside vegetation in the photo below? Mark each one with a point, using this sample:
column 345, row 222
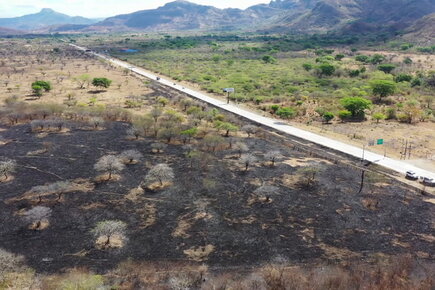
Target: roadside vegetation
column 307, row 84
column 112, row 181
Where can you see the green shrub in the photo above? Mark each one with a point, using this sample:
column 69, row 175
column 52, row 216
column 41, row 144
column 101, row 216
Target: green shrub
column 402, row 78
column 339, row 56
column 286, row 112
column 274, row 108
column 326, row 69
column 43, row 85
column 377, row 58
column 328, row 116
column 101, row 82
column 378, row 117
column 416, row 82
column 407, row 60
column 307, row 66
column 344, row 115
column 356, row 105
column 362, row 58
column 391, row 114
column 354, row 73
column 386, row 68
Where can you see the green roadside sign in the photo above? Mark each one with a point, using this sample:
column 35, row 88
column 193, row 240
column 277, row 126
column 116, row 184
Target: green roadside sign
column 380, row 141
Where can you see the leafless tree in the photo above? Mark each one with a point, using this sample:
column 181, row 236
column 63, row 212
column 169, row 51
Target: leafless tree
column 110, row 164
column 39, row 190
column 213, row 141
column 266, row 191
column 156, row 113
column 241, row 148
column 59, row 188
column 110, row 228
column 272, row 156
column 169, row 133
column 131, row 155
column 250, row 129
column 133, row 131
column 160, row 172
column 308, row 175
column 37, row 215
column 247, row 160
column 159, row 147
column 7, row 167
column 96, row 122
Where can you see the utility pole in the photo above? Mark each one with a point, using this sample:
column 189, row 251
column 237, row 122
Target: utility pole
column 409, row 150
column 363, row 153
column 362, row 181
column 406, row 149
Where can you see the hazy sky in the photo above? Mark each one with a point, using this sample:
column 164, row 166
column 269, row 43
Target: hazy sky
column 103, row 8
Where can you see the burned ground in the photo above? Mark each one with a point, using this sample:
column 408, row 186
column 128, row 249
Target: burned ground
column 209, row 214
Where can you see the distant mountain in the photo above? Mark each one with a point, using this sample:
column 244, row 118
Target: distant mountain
column 10, row 32
column 179, row 15
column 356, row 15
column 46, row 17
column 303, row 16
column 422, row 31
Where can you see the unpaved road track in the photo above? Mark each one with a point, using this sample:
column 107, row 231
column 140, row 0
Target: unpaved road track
column 395, row 165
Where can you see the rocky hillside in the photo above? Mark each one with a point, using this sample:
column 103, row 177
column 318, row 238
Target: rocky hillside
column 180, row 15
column 46, row 17
column 355, row 15
column 287, row 15
column 7, row 31
column 422, row 31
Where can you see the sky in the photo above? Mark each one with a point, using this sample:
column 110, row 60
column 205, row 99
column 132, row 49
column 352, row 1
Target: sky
column 103, row 8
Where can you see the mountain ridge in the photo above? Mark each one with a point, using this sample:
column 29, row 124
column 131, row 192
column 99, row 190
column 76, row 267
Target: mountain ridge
column 295, row 16
column 44, row 18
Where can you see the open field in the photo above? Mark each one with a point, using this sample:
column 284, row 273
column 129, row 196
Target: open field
column 243, row 208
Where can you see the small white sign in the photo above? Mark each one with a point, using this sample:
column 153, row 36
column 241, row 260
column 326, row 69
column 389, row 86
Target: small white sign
column 229, row 90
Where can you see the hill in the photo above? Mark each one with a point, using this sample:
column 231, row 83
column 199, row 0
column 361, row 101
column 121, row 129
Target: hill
column 422, row 31
column 312, row 16
column 355, row 15
column 46, row 17
column 180, row 15
column 7, row 31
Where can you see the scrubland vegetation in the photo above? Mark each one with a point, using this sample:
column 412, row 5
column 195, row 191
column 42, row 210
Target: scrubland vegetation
column 112, row 181
column 293, row 80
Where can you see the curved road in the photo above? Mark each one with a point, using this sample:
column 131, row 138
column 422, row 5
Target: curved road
column 395, row 165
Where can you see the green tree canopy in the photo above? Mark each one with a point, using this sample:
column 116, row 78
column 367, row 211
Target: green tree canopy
column 101, row 82
column 327, row 116
column 268, row 59
column 356, row 105
column 43, row 84
column 377, row 58
column 326, row 69
column 386, row 68
column 286, row 112
column 383, row 88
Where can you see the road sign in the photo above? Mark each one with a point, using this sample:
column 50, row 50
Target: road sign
column 380, row 141
column 371, row 142
column 229, row 90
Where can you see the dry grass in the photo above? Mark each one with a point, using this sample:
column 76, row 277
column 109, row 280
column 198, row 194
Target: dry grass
column 199, row 254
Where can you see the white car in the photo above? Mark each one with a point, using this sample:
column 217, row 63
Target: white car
column 428, row 181
column 411, row 175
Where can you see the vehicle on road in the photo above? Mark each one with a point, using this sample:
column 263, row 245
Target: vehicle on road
column 158, row 78
column 428, row 181
column 411, row 175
